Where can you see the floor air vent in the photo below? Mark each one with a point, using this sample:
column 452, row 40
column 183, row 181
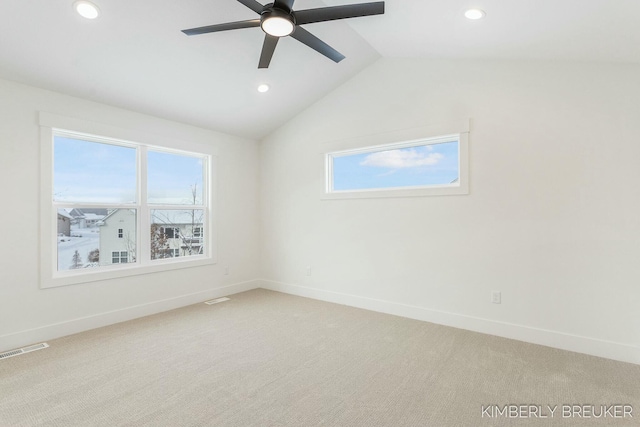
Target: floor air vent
column 217, row 300
column 23, row 350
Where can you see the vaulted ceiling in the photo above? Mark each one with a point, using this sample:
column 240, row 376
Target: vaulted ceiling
column 134, row 55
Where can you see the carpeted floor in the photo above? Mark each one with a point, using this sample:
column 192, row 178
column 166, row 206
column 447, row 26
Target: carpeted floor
column 269, row 359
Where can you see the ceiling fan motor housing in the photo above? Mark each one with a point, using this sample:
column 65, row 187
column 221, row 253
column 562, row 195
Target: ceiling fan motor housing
column 274, row 14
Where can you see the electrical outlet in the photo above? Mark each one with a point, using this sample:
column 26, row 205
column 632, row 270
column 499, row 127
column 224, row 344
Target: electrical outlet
column 308, row 271
column 496, row 297
column 226, row 270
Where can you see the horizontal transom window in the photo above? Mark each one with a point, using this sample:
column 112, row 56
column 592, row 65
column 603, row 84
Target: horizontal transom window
column 429, row 166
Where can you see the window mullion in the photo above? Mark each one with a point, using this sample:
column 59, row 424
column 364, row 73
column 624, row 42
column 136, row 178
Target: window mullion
column 144, row 217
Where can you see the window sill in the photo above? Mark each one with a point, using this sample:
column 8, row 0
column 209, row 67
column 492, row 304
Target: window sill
column 72, row 277
column 445, row 190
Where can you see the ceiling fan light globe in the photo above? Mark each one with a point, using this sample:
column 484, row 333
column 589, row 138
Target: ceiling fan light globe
column 277, row 26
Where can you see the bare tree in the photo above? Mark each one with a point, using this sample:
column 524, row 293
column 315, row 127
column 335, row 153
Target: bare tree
column 190, row 243
column 130, row 245
column 193, row 243
column 159, row 242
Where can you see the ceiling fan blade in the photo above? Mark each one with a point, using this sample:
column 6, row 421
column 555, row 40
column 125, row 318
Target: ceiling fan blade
column 268, row 47
column 253, row 5
column 338, row 12
column 284, row 4
column 222, row 27
column 304, row 36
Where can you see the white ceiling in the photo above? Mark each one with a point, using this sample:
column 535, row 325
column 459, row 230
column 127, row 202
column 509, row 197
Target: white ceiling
column 134, row 55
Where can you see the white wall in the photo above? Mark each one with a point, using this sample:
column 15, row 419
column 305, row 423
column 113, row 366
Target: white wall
column 28, row 313
column 552, row 219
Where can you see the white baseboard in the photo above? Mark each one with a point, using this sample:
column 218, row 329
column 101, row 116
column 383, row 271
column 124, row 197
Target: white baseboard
column 595, row 347
column 560, row 340
column 57, row 330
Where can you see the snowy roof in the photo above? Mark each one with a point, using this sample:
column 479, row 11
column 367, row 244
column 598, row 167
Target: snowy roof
column 111, row 213
column 64, row 214
column 170, row 217
column 93, row 217
column 75, row 212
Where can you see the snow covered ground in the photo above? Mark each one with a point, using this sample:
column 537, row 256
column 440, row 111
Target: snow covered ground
column 83, row 240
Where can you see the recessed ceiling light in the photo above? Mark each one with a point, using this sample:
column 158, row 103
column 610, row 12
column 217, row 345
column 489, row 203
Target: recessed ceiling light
column 86, row 9
column 263, row 88
column 474, row 14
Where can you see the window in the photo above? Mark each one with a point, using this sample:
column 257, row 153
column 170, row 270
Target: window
column 112, row 190
column 169, row 232
column 197, row 232
column 119, row 257
column 417, row 167
column 95, row 182
column 104, row 174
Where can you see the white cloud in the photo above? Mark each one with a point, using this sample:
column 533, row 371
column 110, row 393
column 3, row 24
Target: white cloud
column 387, row 173
column 398, row 159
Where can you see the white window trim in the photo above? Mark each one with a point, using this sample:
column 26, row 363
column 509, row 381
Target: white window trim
column 393, row 140
column 49, row 276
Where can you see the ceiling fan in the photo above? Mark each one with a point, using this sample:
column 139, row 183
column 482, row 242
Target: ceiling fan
column 278, row 19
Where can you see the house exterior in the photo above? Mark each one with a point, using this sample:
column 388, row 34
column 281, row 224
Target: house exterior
column 179, row 240
column 88, row 217
column 64, row 223
column 91, row 220
column 118, row 237
column 173, row 234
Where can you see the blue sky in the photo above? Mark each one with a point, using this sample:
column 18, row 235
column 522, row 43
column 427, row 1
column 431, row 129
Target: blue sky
column 104, row 173
column 172, row 176
column 406, row 167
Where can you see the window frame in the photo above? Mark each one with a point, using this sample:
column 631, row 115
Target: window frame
column 52, row 124
column 406, row 138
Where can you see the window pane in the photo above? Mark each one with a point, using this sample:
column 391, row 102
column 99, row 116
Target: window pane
column 174, row 179
column 176, row 233
column 93, row 172
column 417, row 166
column 89, row 238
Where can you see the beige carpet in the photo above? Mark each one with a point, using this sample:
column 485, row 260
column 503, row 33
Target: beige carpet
column 270, row 359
